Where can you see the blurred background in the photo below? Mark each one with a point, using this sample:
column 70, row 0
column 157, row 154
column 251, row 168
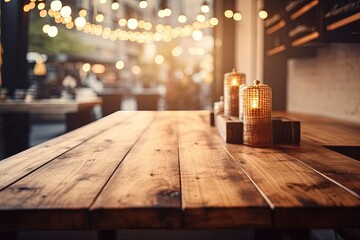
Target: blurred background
column 172, row 55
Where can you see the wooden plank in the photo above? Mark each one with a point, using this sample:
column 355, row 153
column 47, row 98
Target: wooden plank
column 325, row 131
column 59, row 194
column 230, row 129
column 342, row 169
column 302, row 198
column 144, row 192
column 19, row 165
column 216, row 193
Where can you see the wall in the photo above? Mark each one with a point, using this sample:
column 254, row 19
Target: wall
column 327, row 85
column 249, row 40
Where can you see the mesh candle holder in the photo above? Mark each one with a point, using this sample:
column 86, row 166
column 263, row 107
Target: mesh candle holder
column 257, row 115
column 232, row 82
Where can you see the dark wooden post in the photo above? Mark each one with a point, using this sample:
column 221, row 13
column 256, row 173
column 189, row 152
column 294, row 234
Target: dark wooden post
column 14, row 36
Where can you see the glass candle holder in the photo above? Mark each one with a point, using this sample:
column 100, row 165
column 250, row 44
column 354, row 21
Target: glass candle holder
column 232, row 82
column 257, row 115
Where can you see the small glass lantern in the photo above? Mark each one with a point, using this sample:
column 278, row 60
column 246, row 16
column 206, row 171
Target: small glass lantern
column 232, row 82
column 257, row 115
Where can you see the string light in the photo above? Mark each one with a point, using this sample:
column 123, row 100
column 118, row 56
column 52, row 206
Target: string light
column 229, row 13
column 115, row 5
column 99, row 17
column 197, row 35
column 132, row 23
column 200, row 18
column 182, row 18
column 120, row 65
column 136, row 69
column 43, row 13
column 237, row 16
column 143, row 4
column 165, row 33
column 45, row 28
column 56, row 5
column 82, row 13
column 159, row 59
column 41, row 6
column 204, row 7
column 80, row 22
column 52, row 31
column 65, row 11
column 263, row 14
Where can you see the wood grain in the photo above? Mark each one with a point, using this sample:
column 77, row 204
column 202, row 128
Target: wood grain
column 215, row 191
column 144, row 192
column 59, row 194
column 19, row 165
column 302, row 198
column 342, row 169
column 325, row 131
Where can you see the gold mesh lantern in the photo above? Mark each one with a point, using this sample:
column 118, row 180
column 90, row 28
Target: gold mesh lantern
column 257, row 115
column 232, row 82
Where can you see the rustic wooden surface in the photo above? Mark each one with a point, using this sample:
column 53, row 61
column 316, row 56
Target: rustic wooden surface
column 325, row 131
column 144, row 191
column 214, row 189
column 172, row 170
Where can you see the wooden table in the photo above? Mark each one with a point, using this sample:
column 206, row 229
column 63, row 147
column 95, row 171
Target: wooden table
column 172, row 170
column 16, row 116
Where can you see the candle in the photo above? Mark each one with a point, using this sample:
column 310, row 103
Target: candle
column 232, row 82
column 257, row 115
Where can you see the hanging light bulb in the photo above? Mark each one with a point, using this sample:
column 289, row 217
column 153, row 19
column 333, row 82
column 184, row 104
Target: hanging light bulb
column 80, row 22
column 65, row 11
column 143, row 4
column 45, row 28
column 132, row 23
column 82, row 13
column 263, row 14
column 182, row 18
column 115, row 5
column 167, row 12
column 99, row 17
column 197, row 35
column 200, row 18
column 41, row 6
column 237, row 16
column 229, row 13
column 52, row 31
column 56, row 5
column 205, row 7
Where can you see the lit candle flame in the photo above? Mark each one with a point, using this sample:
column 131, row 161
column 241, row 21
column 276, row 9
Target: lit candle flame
column 255, row 103
column 234, row 82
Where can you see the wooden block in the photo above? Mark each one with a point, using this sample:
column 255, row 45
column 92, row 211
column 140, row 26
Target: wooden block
column 230, row 129
column 277, row 130
column 212, row 119
column 290, row 132
column 284, row 131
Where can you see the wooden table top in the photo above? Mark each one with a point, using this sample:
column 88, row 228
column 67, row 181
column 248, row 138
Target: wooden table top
column 48, row 106
column 172, row 170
